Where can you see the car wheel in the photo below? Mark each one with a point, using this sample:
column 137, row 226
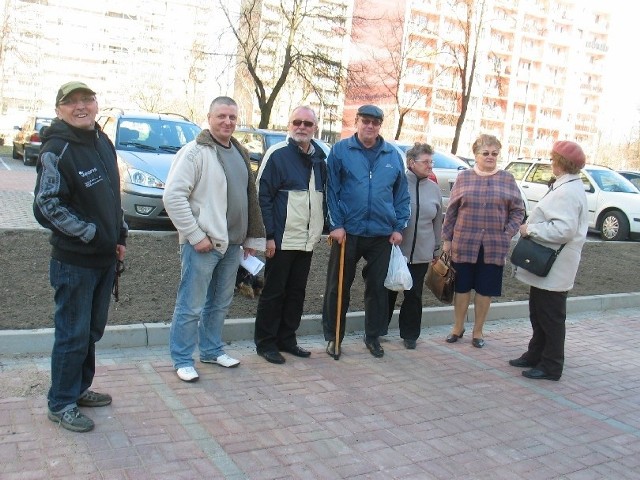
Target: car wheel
column 614, row 226
column 25, row 158
column 14, row 153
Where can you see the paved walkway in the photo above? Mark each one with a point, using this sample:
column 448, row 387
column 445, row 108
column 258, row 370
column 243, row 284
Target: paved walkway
column 439, row 412
column 17, row 182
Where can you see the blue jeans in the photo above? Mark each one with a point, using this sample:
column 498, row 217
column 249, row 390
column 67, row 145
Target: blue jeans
column 82, row 298
column 204, row 296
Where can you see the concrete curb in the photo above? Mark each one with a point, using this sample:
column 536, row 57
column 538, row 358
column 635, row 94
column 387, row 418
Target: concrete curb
column 40, row 341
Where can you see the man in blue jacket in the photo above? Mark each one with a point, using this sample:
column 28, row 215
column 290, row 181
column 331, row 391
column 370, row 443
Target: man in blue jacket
column 77, row 197
column 369, row 205
column 291, row 184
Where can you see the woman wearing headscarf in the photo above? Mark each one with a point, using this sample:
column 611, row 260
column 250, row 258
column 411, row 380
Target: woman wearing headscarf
column 559, row 218
column 485, row 211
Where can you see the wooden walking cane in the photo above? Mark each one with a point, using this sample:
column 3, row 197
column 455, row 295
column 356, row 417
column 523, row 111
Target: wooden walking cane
column 343, row 245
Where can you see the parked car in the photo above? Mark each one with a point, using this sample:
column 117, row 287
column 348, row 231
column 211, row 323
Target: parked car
column 26, row 142
column 614, row 203
column 446, row 167
column 146, row 144
column 258, row 141
column 468, row 160
column 633, row 177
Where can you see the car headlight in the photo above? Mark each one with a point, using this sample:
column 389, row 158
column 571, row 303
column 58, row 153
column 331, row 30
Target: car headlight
column 144, row 179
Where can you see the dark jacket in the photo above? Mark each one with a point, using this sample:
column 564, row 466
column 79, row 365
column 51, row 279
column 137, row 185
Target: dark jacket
column 77, row 195
column 368, row 200
column 291, row 192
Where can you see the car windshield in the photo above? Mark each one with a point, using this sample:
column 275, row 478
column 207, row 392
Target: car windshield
column 441, row 160
column 155, row 134
column 274, row 138
column 610, row 181
column 42, row 122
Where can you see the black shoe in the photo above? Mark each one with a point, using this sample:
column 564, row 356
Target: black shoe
column 478, row 342
column 297, row 351
column 410, row 344
column 521, row 363
column 536, row 374
column 272, row 357
column 331, row 348
column 453, row 338
column 374, row 347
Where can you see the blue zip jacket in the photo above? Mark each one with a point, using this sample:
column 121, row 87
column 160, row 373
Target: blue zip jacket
column 368, row 200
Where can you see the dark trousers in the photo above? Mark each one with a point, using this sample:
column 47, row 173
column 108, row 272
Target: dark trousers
column 410, row 318
column 82, row 297
column 376, row 252
column 282, row 300
column 547, row 313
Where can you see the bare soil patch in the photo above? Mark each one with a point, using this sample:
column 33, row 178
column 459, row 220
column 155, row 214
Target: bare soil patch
column 148, row 287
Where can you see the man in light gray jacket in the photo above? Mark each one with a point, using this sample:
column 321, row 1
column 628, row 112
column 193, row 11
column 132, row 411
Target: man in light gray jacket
column 211, row 199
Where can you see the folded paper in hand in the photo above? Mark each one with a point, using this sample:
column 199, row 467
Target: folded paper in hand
column 251, row 264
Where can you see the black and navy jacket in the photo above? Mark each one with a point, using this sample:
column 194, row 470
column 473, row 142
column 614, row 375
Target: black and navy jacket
column 77, row 195
column 291, row 187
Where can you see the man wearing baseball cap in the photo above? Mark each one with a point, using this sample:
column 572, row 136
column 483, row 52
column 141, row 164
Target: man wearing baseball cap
column 368, row 202
column 77, row 197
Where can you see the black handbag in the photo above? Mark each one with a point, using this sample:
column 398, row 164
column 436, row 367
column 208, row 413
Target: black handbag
column 533, row 257
column 441, row 278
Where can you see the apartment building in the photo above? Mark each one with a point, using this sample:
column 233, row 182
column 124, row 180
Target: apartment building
column 538, row 77
column 159, row 55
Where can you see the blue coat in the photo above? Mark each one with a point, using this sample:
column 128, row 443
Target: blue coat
column 366, row 199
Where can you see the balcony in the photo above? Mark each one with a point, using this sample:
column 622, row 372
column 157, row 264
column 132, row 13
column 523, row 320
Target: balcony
column 591, row 88
column 595, row 45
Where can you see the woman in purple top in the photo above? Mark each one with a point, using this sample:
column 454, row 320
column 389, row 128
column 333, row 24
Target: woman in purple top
column 485, row 211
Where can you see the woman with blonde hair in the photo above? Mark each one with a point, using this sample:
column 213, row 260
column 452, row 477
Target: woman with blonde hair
column 484, row 212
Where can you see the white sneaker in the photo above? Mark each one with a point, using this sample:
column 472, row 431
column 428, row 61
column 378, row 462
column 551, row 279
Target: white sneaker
column 187, row 374
column 223, row 360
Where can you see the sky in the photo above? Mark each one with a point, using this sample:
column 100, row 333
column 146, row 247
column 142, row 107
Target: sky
column 620, row 109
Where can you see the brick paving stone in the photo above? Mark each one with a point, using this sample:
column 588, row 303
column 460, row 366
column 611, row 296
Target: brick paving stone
column 441, row 411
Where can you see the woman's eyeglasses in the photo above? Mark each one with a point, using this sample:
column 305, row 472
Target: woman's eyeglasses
column 306, row 123
column 490, row 154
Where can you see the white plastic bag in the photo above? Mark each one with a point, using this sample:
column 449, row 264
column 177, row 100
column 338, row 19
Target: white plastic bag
column 398, row 275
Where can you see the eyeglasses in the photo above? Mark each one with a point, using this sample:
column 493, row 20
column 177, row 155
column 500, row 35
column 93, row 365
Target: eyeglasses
column 306, row 123
column 376, row 122
column 492, row 154
column 78, row 101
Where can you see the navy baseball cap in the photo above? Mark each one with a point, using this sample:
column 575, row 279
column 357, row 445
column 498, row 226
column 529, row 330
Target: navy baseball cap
column 371, row 111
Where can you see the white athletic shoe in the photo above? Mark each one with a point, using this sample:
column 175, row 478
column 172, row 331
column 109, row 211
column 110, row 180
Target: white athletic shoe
column 187, row 374
column 223, row 360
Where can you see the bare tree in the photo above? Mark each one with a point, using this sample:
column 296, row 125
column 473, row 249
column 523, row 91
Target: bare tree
column 194, row 80
column 275, row 41
column 464, row 53
column 5, row 45
column 399, row 59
